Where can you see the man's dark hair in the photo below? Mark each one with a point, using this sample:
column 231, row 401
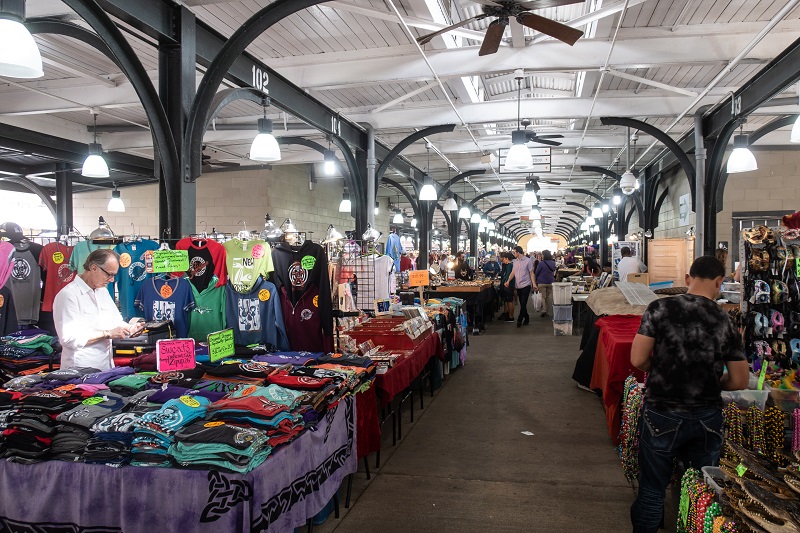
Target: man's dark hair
column 518, row 249
column 707, row 267
column 625, row 251
column 460, row 252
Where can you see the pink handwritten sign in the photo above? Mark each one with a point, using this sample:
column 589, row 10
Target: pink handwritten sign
column 174, row 354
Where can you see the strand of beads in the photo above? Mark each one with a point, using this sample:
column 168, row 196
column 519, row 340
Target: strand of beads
column 701, row 509
column 796, row 430
column 773, row 429
column 733, row 427
column 629, row 429
column 755, row 426
column 714, row 511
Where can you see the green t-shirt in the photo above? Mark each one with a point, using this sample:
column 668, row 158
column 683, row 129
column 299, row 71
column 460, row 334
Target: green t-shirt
column 246, row 260
column 81, row 252
column 208, row 314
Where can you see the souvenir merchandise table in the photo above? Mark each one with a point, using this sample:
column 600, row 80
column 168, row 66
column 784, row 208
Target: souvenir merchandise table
column 612, row 364
column 292, row 485
column 479, row 300
column 399, row 377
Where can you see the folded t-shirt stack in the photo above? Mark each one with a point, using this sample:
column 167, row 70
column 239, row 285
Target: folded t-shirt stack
column 31, row 426
column 182, row 378
column 28, row 352
column 220, row 445
column 241, row 372
column 73, row 429
column 130, row 384
column 154, row 432
column 293, row 358
column 108, row 448
column 105, row 376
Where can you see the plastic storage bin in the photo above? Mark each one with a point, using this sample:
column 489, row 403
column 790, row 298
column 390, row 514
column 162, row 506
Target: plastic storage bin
column 562, row 293
column 746, row 398
column 562, row 313
column 562, row 328
column 714, row 476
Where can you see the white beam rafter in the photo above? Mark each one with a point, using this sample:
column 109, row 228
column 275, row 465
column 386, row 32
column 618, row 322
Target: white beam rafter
column 652, row 83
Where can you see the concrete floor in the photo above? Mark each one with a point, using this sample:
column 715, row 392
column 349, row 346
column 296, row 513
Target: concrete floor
column 465, row 464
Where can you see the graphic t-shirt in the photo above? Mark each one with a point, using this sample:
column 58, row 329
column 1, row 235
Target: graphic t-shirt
column 8, row 315
column 694, row 337
column 208, row 315
column 256, row 317
column 54, row 260
column 394, row 249
column 6, row 253
column 246, row 260
column 131, row 274
column 206, row 260
column 162, row 299
column 25, row 281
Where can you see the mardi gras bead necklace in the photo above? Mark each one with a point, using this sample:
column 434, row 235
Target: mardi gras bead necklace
column 755, row 426
column 773, row 429
column 796, row 430
column 733, row 427
column 712, row 514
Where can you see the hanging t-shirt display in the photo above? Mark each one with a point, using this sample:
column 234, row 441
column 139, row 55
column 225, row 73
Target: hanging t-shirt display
column 206, row 260
column 394, row 249
column 208, row 314
column 8, row 316
column 6, row 255
column 301, row 274
column 25, row 281
column 246, row 260
column 54, row 260
column 79, row 254
column 163, row 299
column 376, row 279
column 131, row 274
column 256, row 316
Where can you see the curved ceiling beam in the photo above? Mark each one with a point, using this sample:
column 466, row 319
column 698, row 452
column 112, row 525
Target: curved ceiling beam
column 482, row 196
column 68, row 29
column 302, row 141
column 671, row 145
column 576, row 204
column 35, row 189
column 589, row 193
column 604, row 171
column 512, row 213
column 404, row 192
column 227, row 96
column 405, row 143
column 498, row 206
column 233, row 48
column 455, row 179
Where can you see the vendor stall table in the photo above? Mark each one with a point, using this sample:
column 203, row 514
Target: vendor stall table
column 479, row 301
column 406, row 369
column 564, row 273
column 295, row 483
column 579, row 308
column 612, row 364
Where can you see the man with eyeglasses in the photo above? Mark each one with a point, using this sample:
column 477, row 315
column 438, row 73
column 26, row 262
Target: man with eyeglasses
column 86, row 317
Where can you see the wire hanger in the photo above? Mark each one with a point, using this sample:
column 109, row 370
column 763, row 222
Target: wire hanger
column 164, row 244
column 244, row 235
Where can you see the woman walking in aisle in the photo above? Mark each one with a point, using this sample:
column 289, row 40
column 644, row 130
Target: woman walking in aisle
column 545, row 276
column 522, row 276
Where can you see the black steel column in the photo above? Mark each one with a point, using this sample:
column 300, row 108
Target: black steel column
column 424, row 227
column 63, row 198
column 473, row 239
column 176, row 80
column 455, row 230
column 360, row 202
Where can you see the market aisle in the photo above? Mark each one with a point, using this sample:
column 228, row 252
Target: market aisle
column 465, row 465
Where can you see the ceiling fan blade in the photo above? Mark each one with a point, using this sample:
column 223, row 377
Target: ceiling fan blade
column 425, row 39
column 544, row 141
column 487, row 3
column 550, row 182
column 494, row 34
column 553, row 136
column 562, row 32
column 544, row 4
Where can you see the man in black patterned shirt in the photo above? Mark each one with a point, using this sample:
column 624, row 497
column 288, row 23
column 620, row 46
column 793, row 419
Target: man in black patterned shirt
column 684, row 343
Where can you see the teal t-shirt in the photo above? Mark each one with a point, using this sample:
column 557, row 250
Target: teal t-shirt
column 208, row 314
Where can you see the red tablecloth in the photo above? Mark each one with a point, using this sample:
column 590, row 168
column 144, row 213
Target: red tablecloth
column 612, row 364
column 368, row 435
column 405, row 369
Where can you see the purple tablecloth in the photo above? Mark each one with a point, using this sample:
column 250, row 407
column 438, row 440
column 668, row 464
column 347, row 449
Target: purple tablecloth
column 281, row 494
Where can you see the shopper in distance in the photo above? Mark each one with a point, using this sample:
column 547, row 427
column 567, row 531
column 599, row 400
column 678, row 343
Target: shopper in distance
column 629, row 264
column 522, row 276
column 685, row 343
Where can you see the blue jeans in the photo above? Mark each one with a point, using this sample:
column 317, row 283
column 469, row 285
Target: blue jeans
column 693, row 436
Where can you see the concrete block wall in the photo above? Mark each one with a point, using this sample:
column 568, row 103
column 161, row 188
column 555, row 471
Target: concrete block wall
column 223, row 199
column 669, row 225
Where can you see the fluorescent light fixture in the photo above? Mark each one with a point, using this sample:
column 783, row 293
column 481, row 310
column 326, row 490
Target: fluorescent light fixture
column 19, row 54
column 329, row 167
column 115, row 204
column 265, row 147
column 741, row 159
column 345, row 206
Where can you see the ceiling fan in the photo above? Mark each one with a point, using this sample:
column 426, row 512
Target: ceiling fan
column 504, row 10
column 209, row 164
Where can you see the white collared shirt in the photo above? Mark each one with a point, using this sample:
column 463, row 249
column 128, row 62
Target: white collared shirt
column 79, row 313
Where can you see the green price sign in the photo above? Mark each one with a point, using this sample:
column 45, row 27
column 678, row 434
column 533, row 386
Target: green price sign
column 220, row 344
column 170, row 261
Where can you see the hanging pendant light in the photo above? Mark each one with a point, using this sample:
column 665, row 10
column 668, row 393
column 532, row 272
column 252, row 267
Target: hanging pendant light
column 413, row 222
column 590, row 220
column 518, row 156
column 616, row 197
column 265, row 147
column 529, row 196
column 345, row 206
column 19, row 54
column 450, row 204
column 329, row 166
column 398, row 218
column 475, row 218
column 535, row 214
column 464, row 212
column 428, row 193
column 605, row 207
column 741, row 159
column 597, row 211
column 115, row 204
column 377, row 210
column 94, row 166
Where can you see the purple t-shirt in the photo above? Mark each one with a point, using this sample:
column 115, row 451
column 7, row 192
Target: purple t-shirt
column 522, row 272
